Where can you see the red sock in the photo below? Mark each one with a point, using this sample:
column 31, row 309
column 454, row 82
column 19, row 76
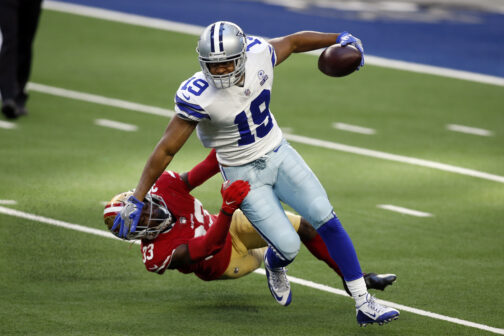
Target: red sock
column 318, row 248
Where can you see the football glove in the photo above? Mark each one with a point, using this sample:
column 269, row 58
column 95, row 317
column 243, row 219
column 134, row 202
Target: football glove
column 345, row 38
column 129, row 216
column 233, row 195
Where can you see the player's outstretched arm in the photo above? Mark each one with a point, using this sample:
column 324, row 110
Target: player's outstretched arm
column 309, row 40
column 174, row 137
column 176, row 134
column 301, row 42
column 214, row 240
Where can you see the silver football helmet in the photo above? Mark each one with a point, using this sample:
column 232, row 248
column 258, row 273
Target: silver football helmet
column 155, row 217
column 221, row 42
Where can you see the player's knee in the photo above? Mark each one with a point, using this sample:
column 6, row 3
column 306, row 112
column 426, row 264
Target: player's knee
column 289, row 246
column 320, row 211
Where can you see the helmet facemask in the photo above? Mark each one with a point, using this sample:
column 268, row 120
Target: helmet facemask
column 155, row 217
column 219, row 43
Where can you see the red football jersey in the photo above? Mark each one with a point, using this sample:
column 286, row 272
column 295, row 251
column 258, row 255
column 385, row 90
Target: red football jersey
column 192, row 221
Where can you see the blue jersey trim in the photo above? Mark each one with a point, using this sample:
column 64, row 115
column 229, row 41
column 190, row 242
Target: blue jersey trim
column 192, row 112
column 273, row 56
column 180, row 101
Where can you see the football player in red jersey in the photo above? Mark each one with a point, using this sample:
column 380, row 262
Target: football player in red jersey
column 176, row 232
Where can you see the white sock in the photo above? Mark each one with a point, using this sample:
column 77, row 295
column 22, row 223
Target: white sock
column 358, row 289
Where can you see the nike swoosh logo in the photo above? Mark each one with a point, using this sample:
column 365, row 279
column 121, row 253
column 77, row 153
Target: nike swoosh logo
column 229, row 203
column 276, row 296
column 186, row 97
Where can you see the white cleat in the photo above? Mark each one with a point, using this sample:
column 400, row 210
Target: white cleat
column 278, row 284
column 372, row 312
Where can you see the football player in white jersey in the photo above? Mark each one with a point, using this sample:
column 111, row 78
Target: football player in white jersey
column 227, row 102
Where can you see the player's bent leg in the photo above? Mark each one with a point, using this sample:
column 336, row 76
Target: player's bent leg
column 244, row 234
column 283, row 240
column 284, row 245
column 264, row 211
column 298, row 187
column 248, row 247
column 243, row 263
column 262, row 207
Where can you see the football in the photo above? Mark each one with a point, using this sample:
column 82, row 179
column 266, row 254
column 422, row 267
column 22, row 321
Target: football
column 338, row 61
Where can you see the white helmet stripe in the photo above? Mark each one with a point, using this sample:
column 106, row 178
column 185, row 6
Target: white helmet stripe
column 112, row 209
column 217, row 37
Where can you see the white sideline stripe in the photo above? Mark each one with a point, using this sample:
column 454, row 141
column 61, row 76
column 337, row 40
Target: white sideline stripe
column 8, row 202
column 468, row 129
column 116, row 16
column 307, row 283
column 100, row 99
column 434, row 70
column 7, row 125
column 292, row 137
column 196, row 30
column 353, row 128
column 116, row 124
column 393, row 157
column 405, row 211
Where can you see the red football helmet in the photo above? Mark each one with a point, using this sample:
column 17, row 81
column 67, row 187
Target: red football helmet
column 155, row 218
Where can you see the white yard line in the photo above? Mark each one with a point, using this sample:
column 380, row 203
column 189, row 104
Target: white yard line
column 404, row 211
column 92, row 98
column 116, row 16
column 196, row 30
column 7, row 125
column 468, row 130
column 8, row 202
column 434, row 70
column 393, row 157
column 116, row 125
column 353, row 128
column 307, row 283
column 291, row 137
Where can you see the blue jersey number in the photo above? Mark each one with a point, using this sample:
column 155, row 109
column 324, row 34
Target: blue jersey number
column 196, row 87
column 259, row 109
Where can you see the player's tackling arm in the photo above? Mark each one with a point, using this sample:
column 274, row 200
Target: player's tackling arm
column 200, row 247
column 301, row 42
column 174, row 137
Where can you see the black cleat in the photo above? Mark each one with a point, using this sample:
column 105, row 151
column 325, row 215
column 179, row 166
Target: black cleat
column 10, row 109
column 379, row 281
column 375, row 281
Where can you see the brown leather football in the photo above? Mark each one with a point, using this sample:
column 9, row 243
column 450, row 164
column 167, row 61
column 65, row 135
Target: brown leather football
column 338, row 61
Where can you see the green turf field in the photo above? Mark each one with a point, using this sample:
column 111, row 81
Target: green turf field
column 58, row 164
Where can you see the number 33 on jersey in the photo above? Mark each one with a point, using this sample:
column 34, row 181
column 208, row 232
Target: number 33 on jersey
column 236, row 121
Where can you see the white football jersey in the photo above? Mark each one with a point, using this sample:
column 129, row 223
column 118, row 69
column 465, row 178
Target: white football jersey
column 236, row 121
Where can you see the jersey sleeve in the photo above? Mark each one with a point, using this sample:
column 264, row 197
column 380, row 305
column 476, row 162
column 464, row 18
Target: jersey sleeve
column 257, row 44
column 186, row 100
